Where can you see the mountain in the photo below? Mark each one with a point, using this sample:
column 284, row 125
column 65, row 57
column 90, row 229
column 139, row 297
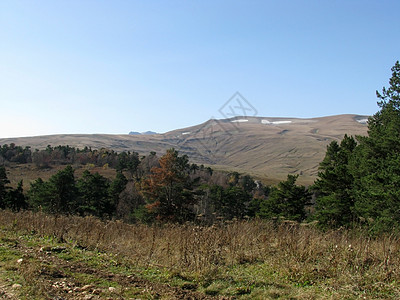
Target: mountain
column 139, row 133
column 261, row 146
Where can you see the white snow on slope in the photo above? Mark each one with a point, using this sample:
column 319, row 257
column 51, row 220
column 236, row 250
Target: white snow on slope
column 275, row 122
column 363, row 121
column 239, row 121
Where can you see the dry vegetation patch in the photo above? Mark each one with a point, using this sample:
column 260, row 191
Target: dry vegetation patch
column 242, row 259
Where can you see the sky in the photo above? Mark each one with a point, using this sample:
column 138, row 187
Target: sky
column 119, row 66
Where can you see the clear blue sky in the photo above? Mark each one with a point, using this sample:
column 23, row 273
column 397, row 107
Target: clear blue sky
column 116, row 66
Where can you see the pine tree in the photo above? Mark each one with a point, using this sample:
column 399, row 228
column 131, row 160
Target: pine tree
column 335, row 201
column 3, row 186
column 40, row 196
column 116, row 188
column 63, row 189
column 231, row 202
column 15, row 199
column 94, row 197
column 287, row 200
column 377, row 161
column 58, row 195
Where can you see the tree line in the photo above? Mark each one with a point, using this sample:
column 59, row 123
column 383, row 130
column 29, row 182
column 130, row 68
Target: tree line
column 167, row 188
column 66, row 155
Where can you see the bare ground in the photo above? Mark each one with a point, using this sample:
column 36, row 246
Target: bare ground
column 58, row 278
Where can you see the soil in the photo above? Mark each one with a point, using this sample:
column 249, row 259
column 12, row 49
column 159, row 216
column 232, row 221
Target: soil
column 57, row 282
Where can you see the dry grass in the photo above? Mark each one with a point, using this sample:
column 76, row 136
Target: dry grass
column 259, row 259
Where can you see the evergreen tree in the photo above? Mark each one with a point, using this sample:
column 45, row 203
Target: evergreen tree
column 287, row 200
column 40, row 196
column 63, row 189
column 93, row 195
column 247, row 183
column 123, row 159
column 3, row 186
column 377, row 161
column 58, row 195
column 133, row 163
column 259, row 197
column 231, row 202
column 335, row 200
column 15, row 199
column 116, row 188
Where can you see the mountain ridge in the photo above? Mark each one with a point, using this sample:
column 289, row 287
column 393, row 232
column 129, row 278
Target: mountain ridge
column 268, row 147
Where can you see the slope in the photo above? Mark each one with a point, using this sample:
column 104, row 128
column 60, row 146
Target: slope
column 264, row 147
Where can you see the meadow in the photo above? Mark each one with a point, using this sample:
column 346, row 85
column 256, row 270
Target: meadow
column 230, row 260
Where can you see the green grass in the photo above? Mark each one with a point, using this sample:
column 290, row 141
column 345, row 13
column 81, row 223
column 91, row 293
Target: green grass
column 33, row 272
column 89, row 267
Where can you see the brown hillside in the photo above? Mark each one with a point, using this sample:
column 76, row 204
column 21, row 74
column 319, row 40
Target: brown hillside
column 264, row 147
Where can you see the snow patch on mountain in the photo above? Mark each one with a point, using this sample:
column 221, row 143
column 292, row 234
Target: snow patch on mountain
column 362, row 121
column 275, row 122
column 239, row 121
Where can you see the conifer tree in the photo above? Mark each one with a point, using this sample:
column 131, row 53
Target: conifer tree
column 58, row 195
column 335, row 200
column 93, row 195
column 3, row 186
column 377, row 162
column 15, row 199
column 287, row 200
column 116, row 188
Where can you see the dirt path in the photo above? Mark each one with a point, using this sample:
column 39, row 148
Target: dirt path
column 53, row 277
column 68, row 287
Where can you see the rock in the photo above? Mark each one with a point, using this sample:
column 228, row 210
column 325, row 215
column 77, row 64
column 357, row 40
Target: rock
column 86, row 288
column 112, row 289
column 53, row 249
column 45, row 249
column 96, row 292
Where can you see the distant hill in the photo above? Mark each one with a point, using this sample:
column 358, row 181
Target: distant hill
column 261, row 146
column 139, row 133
